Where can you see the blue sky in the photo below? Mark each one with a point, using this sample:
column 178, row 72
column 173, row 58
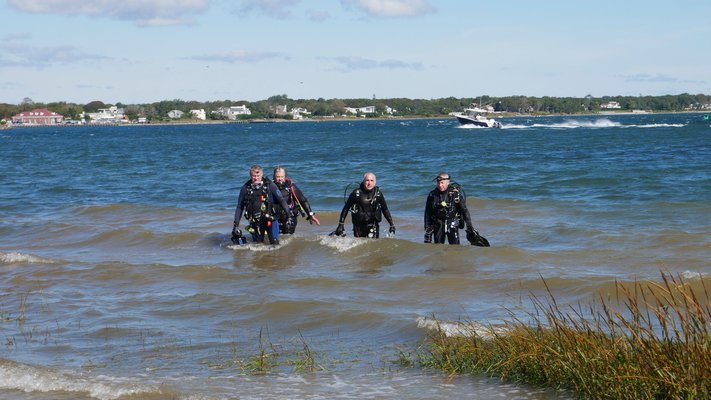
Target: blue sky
column 135, row 51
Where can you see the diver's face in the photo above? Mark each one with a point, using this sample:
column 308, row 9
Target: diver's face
column 442, row 183
column 280, row 176
column 256, row 176
column 369, row 182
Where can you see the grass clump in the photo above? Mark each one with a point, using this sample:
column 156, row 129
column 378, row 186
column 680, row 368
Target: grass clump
column 270, row 358
column 654, row 345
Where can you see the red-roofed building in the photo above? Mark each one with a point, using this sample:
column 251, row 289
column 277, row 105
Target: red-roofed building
column 40, row 116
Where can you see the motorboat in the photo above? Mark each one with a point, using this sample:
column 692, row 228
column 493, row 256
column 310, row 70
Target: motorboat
column 475, row 116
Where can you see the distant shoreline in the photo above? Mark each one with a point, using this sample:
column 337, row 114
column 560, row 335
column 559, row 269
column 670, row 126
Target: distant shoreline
column 340, row 119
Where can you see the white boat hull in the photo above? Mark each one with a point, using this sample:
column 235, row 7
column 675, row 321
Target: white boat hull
column 478, row 120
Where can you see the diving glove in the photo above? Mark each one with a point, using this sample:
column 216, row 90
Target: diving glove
column 428, row 234
column 392, row 230
column 338, row 231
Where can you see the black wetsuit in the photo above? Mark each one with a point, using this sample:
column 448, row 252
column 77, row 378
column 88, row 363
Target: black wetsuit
column 293, row 196
column 445, row 213
column 367, row 209
column 256, row 201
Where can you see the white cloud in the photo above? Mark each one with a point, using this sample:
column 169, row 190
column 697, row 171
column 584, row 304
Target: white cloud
column 16, row 53
column 649, row 78
column 317, row 16
column 142, row 12
column 273, row 8
column 358, row 63
column 391, row 8
column 240, row 56
column 16, row 36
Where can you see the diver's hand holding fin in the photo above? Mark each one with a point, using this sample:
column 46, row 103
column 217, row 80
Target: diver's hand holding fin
column 237, row 237
column 476, row 239
column 391, row 231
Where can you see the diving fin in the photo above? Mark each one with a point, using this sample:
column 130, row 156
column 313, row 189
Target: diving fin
column 476, row 239
column 239, row 240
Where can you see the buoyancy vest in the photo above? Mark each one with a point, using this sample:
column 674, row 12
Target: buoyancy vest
column 287, row 193
column 257, row 201
column 367, row 208
column 445, row 204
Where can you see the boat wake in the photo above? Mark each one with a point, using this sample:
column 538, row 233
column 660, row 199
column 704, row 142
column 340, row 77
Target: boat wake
column 603, row 123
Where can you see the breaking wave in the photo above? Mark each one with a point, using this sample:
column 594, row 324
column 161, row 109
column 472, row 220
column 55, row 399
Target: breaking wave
column 459, row 328
column 22, row 258
column 15, row 376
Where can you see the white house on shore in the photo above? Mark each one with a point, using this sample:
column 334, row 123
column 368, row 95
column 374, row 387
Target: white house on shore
column 360, row 110
column 611, row 105
column 111, row 115
column 299, row 112
column 175, row 114
column 296, row 113
column 233, row 112
column 199, row 114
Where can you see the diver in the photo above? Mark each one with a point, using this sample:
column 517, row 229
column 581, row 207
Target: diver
column 256, row 200
column 298, row 204
column 367, row 206
column 446, row 213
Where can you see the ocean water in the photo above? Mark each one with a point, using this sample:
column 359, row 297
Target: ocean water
column 119, row 280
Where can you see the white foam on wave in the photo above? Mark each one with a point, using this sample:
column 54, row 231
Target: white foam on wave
column 30, row 379
column 249, row 246
column 341, row 243
column 253, row 247
column 599, row 123
column 569, row 124
column 22, row 258
column 459, row 328
column 656, row 126
column 693, row 275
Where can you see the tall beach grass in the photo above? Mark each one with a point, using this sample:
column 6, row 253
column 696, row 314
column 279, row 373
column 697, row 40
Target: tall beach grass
column 649, row 341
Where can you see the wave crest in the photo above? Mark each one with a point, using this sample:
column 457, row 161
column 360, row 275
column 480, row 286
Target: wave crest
column 14, row 376
column 342, row 244
column 459, row 328
column 22, row 258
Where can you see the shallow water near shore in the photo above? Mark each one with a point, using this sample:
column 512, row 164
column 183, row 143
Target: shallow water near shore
column 119, row 280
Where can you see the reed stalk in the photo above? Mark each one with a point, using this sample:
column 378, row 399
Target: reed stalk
column 651, row 342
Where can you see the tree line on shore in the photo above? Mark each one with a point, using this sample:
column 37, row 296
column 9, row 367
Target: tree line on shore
column 402, row 107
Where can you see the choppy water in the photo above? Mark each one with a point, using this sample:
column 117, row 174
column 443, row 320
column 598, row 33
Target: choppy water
column 118, row 279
